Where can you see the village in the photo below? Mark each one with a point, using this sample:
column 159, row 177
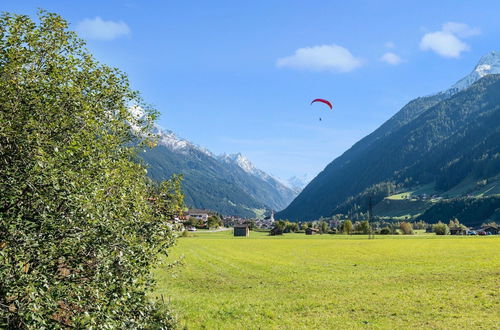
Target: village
column 193, row 219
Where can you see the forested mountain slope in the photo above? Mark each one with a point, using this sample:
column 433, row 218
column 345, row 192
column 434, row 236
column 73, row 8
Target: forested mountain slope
column 439, row 139
column 228, row 184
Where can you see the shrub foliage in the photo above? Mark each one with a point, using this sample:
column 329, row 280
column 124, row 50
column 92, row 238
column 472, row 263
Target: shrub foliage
column 440, row 228
column 406, row 228
column 79, row 231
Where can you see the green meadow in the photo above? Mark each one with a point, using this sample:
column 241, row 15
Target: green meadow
column 333, row 281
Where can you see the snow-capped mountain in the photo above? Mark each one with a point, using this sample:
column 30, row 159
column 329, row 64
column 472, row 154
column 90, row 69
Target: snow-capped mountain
column 488, row 64
column 239, row 160
column 229, row 184
column 298, row 183
column 170, row 140
column 245, row 164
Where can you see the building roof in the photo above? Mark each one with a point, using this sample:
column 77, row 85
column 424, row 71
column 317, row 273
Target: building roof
column 241, row 225
column 198, row 211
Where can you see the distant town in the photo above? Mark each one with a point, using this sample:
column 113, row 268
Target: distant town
column 193, row 219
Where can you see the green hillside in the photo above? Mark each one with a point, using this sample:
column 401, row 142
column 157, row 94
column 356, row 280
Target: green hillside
column 207, row 184
column 471, row 211
column 428, row 204
column 400, row 207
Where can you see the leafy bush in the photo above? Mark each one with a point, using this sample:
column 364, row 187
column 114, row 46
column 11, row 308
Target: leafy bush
column 194, row 222
column 440, row 228
column 406, row 228
column 490, row 224
column 292, row 227
column 347, row 226
column 80, row 224
column 385, row 231
column 419, row 225
column 214, row 221
column 362, row 227
column 457, row 226
column 323, row 227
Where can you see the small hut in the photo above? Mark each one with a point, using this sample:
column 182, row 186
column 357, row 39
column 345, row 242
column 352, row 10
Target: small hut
column 311, row 231
column 241, row 230
column 276, row 231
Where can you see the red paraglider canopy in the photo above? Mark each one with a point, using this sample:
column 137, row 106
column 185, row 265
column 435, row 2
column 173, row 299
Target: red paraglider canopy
column 323, row 101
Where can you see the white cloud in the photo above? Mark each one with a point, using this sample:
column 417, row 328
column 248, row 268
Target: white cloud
column 460, row 29
column 444, row 43
column 447, row 42
column 100, row 29
column 332, row 58
column 391, row 58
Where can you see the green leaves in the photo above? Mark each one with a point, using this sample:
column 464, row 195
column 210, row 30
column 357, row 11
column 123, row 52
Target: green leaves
column 78, row 234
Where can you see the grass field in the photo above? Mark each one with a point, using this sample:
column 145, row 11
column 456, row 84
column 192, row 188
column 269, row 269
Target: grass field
column 334, row 281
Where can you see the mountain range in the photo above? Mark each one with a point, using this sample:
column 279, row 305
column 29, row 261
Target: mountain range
column 448, row 143
column 229, row 183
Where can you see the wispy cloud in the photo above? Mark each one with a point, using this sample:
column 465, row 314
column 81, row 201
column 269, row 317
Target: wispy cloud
column 333, row 58
column 389, row 44
column 461, row 30
column 448, row 42
column 99, row 29
column 391, row 58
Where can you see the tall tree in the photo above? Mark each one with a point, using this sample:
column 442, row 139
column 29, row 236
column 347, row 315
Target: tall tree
column 347, row 226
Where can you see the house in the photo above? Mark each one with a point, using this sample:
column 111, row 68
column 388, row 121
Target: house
column 198, row 214
column 490, row 229
column 183, row 216
column 461, row 230
column 230, row 221
column 241, row 230
column 311, row 231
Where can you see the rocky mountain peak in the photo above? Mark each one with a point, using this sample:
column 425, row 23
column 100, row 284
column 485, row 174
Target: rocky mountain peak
column 488, row 64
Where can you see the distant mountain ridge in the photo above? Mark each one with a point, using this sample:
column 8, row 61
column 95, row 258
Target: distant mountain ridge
column 441, row 139
column 297, row 183
column 170, row 140
column 488, row 64
column 227, row 183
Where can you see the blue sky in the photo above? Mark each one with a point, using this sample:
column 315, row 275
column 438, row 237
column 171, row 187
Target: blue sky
column 238, row 76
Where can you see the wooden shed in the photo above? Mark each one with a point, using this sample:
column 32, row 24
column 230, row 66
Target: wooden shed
column 276, row 231
column 311, row 231
column 241, row 230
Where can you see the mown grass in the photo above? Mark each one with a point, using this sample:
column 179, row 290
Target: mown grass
column 334, row 281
